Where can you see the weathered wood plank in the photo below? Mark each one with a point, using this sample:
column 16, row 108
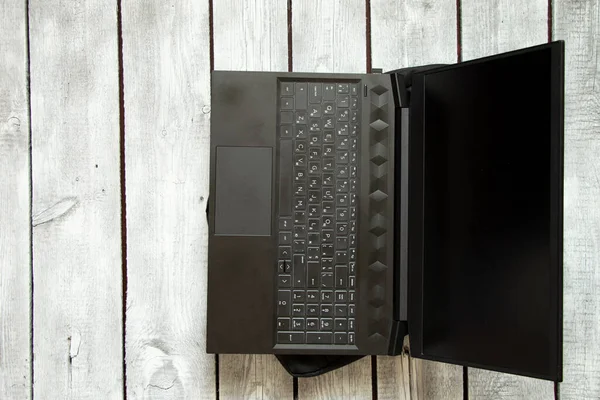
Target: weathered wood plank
column 15, row 243
column 578, row 23
column 76, row 200
column 251, row 36
column 350, row 382
column 490, row 29
column 502, row 25
column 167, row 107
column 405, row 34
column 330, row 36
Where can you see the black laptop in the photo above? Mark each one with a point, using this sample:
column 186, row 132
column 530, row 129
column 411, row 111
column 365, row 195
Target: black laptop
column 349, row 210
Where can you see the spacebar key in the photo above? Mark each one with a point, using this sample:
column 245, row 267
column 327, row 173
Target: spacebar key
column 319, row 337
column 285, row 177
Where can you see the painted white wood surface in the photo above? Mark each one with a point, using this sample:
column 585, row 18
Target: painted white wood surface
column 578, row 23
column 489, row 29
column 167, row 108
column 330, row 36
column 412, row 33
column 76, row 200
column 251, row 36
column 492, row 27
column 405, row 34
column 15, row 243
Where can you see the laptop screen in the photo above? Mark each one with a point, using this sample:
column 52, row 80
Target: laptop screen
column 490, row 257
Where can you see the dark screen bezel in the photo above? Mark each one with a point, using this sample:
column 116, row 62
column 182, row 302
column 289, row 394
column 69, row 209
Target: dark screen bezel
column 416, row 243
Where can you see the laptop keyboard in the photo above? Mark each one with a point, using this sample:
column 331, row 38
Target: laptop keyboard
column 318, row 133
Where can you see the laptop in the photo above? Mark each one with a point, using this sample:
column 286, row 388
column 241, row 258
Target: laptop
column 350, row 210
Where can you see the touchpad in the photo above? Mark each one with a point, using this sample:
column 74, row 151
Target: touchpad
column 243, row 191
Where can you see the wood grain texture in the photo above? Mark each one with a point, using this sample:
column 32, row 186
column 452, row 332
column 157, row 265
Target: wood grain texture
column 251, row 36
column 350, row 382
column 487, row 29
column 329, row 35
column 407, row 34
column 76, row 191
column 15, row 243
column 578, row 23
column 167, row 107
column 495, row 26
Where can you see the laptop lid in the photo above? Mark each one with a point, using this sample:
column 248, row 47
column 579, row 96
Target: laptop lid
column 485, row 213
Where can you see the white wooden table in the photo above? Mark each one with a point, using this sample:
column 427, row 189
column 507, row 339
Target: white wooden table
column 104, row 132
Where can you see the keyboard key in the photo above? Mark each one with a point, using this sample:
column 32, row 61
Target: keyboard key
column 342, row 200
column 299, row 203
column 351, row 296
column 341, row 257
column 351, row 338
column 300, row 160
column 341, row 228
column 313, row 254
column 285, row 281
column 352, row 282
column 314, row 238
column 312, row 324
column 314, row 210
column 301, row 95
column 284, row 267
column 343, row 88
column 314, row 196
column 284, row 305
column 298, row 310
column 285, row 224
column 329, row 124
column 312, row 277
column 328, row 137
column 328, row 193
column 327, row 251
column 352, row 267
column 314, row 139
column 312, row 295
column 327, row 222
column 342, row 157
column 299, row 270
column 326, row 324
column 342, row 100
column 300, row 132
column 351, row 310
column 283, row 324
column 299, row 246
column 285, row 238
column 300, row 146
column 312, row 310
column 342, row 172
column 299, row 217
column 290, row 337
column 327, row 179
column 328, row 91
column 327, row 236
column 328, row 108
column 314, row 182
column 299, row 232
column 287, row 103
column 326, row 296
column 326, row 310
column 319, row 338
column 354, row 116
column 315, row 111
column 286, row 117
column 340, row 310
column 351, row 324
column 298, row 324
column 285, row 253
column 341, row 275
column 285, row 131
column 301, row 117
column 354, row 89
column 341, row 186
column 354, row 103
column 315, row 93
column 299, row 296
column 314, row 125
column 314, row 168
column 341, row 338
column 341, row 324
column 342, row 143
column 326, row 264
column 328, row 150
column 341, row 296
column 326, row 280
column 342, row 129
column 343, row 115
column 286, row 88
